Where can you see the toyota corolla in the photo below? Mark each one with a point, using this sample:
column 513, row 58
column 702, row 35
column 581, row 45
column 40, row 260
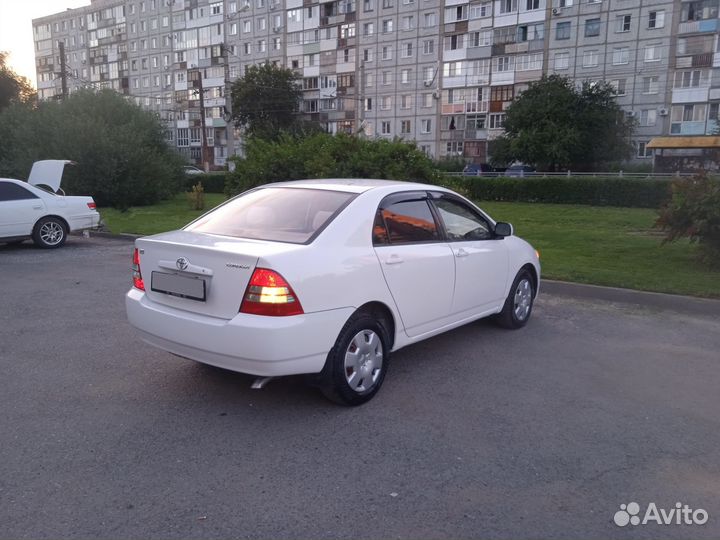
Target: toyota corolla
column 327, row 278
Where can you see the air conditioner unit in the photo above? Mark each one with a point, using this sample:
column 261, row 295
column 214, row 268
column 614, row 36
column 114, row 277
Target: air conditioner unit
column 277, row 29
column 663, row 112
column 556, row 11
column 631, row 114
column 436, row 95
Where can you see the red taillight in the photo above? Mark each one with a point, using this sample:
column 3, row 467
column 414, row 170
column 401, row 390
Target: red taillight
column 92, row 206
column 269, row 294
column 137, row 276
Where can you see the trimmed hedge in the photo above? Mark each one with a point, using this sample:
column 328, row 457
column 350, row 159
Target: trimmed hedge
column 212, row 182
column 595, row 191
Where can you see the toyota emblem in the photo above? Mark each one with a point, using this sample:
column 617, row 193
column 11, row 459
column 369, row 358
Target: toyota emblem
column 182, row 263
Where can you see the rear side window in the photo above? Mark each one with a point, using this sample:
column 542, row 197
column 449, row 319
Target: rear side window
column 13, row 192
column 407, row 222
column 291, row 215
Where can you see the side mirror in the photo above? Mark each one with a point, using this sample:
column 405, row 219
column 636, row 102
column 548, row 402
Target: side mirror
column 503, row 229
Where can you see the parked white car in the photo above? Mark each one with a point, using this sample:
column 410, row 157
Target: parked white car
column 327, row 277
column 40, row 210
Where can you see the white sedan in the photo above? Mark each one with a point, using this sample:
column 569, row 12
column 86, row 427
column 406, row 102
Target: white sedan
column 327, row 277
column 38, row 208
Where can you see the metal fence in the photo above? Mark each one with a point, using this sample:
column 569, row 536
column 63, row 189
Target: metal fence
column 616, row 174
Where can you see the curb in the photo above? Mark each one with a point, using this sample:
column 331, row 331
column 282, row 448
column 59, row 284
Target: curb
column 671, row 302
column 668, row 302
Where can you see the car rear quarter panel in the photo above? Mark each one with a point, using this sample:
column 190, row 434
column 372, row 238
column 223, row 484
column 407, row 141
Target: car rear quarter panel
column 339, row 268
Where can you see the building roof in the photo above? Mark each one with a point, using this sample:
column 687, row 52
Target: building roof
column 700, row 141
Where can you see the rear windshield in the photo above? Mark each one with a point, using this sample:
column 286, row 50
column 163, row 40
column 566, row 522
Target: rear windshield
column 279, row 214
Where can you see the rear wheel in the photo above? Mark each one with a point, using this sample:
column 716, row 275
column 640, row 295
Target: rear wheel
column 356, row 365
column 519, row 302
column 50, row 232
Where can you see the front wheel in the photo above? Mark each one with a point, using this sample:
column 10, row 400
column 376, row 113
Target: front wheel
column 519, row 302
column 50, row 232
column 356, row 365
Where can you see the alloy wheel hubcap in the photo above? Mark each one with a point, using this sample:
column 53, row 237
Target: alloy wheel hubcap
column 51, row 233
column 523, row 300
column 363, row 361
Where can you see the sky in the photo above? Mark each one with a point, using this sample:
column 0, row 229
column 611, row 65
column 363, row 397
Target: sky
column 16, row 35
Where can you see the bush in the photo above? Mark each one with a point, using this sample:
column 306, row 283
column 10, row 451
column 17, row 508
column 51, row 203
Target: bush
column 196, row 197
column 694, row 212
column 596, row 191
column 328, row 156
column 212, row 182
column 121, row 154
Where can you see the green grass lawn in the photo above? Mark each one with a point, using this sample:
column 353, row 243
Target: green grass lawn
column 607, row 246
column 604, row 246
column 165, row 216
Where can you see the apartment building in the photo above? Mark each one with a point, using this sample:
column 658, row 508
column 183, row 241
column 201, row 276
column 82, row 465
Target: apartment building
column 439, row 72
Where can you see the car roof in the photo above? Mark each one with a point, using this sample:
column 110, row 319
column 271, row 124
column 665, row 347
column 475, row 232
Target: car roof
column 354, row 185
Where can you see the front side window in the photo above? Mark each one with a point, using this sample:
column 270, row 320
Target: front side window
column 461, row 222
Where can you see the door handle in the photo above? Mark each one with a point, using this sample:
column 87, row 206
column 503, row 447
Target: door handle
column 37, row 207
column 461, row 253
column 393, row 259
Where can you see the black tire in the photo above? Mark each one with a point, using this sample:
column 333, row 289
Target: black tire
column 354, row 385
column 519, row 303
column 50, row 233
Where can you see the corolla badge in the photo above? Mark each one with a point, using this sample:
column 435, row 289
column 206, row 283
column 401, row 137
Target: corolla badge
column 182, row 263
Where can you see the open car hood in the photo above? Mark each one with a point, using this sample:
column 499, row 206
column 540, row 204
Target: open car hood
column 48, row 173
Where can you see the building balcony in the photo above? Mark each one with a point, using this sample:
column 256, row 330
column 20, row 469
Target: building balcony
column 476, row 134
column 690, row 95
column 695, row 27
column 687, row 128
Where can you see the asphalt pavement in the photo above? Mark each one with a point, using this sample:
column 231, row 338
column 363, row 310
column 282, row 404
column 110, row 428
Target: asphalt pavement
column 478, row 433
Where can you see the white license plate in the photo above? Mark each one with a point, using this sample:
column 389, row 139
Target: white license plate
column 177, row 285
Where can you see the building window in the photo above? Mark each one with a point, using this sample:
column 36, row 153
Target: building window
column 405, row 126
column 405, row 76
column 407, row 50
column 387, row 26
column 182, row 137
column 428, row 46
column 622, row 23
column 504, row 63
column 648, row 117
column 619, row 85
column 496, row 121
column 562, row 30
column 532, row 4
column 386, row 77
column 656, row 19
column 650, row 85
column 643, row 151
column 425, row 125
column 689, row 79
column 592, row 27
column 454, row 148
column 621, row 55
column 406, row 101
column 561, row 61
column 387, row 52
column 652, row 53
column 429, row 19
column 368, row 29
column 385, row 128
column 590, row 59
column 508, row 6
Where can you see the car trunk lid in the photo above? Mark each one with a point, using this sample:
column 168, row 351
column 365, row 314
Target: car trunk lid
column 201, row 273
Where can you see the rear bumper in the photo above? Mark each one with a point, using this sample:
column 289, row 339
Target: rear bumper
column 257, row 345
column 80, row 222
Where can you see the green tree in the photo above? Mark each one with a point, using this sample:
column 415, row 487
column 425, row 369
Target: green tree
column 554, row 125
column 266, row 100
column 13, row 87
column 328, row 156
column 120, row 149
